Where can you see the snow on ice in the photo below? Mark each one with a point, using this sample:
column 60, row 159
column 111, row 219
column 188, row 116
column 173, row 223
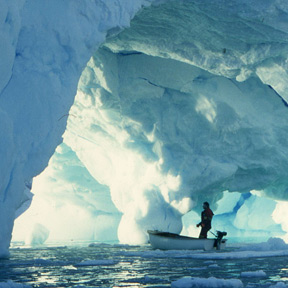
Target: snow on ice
column 209, row 283
column 257, row 274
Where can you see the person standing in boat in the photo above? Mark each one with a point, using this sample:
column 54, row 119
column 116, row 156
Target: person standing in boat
column 206, row 219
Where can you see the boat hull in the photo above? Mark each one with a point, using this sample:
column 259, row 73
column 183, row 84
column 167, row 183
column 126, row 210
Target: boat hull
column 171, row 241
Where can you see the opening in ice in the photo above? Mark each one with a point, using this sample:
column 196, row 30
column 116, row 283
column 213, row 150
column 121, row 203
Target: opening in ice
column 171, row 112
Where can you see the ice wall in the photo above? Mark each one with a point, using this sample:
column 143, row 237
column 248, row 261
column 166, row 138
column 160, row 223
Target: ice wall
column 197, row 70
column 162, row 146
column 171, row 122
column 194, row 103
column 43, row 52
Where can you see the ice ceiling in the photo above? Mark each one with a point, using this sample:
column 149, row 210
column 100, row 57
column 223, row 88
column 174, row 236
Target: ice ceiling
column 184, row 106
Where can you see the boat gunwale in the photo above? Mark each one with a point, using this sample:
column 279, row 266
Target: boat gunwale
column 176, row 236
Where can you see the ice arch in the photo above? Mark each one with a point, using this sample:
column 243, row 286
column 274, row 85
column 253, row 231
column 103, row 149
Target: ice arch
column 209, row 45
column 142, row 134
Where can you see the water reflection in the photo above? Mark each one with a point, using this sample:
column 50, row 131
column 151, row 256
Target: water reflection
column 131, row 267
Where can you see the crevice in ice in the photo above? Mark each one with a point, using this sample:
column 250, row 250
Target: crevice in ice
column 151, row 83
column 129, row 53
column 283, row 100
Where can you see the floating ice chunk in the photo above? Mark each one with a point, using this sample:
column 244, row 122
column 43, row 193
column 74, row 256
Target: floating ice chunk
column 278, row 285
column 256, row 274
column 211, row 282
column 103, row 262
column 272, row 244
column 213, row 266
column 11, row 284
column 197, row 268
column 98, row 244
column 209, row 262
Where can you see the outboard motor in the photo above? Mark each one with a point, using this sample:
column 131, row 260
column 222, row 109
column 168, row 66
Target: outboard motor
column 218, row 240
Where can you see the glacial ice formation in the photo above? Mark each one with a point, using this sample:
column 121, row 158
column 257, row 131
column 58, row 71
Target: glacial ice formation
column 42, row 56
column 186, row 104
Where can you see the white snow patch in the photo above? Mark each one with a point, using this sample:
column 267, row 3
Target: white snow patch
column 210, row 282
column 253, row 274
column 278, row 285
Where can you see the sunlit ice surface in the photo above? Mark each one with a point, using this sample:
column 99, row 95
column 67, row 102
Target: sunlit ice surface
column 143, row 147
column 113, row 177
column 110, row 180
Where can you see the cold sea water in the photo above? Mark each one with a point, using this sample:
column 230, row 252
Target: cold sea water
column 105, row 265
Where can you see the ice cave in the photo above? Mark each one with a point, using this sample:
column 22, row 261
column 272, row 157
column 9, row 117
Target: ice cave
column 122, row 116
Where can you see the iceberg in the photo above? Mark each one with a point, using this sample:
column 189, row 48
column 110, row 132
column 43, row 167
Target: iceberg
column 140, row 111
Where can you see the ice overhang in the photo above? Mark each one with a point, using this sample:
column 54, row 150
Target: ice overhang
column 187, row 89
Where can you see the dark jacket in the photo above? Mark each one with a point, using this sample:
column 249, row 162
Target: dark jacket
column 206, row 218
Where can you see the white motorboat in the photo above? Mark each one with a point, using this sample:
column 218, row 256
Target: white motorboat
column 171, row 241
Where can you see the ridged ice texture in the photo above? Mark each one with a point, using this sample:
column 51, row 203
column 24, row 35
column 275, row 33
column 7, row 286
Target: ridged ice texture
column 43, row 52
column 221, row 129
